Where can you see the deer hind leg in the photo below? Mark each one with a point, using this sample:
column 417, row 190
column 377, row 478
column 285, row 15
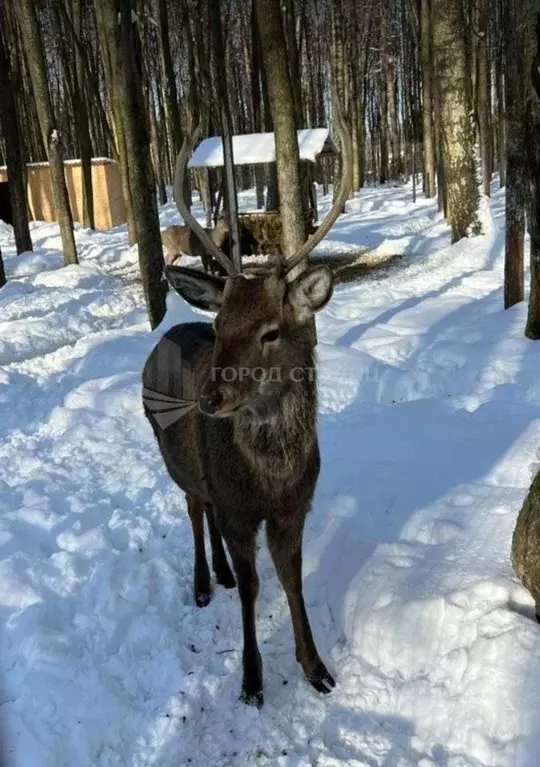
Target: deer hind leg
column 243, row 557
column 285, row 544
column 220, row 564
column 201, row 577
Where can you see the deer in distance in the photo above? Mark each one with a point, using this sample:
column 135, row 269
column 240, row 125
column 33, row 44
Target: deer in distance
column 245, row 451
column 180, row 240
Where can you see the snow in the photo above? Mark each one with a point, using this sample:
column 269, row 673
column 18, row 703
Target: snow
column 254, row 148
column 95, row 160
column 430, row 435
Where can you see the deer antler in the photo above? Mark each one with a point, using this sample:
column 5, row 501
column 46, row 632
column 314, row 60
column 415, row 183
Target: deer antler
column 189, row 219
column 344, row 189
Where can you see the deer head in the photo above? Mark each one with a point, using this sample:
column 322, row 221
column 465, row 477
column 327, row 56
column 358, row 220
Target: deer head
column 262, row 336
column 221, row 229
column 264, row 340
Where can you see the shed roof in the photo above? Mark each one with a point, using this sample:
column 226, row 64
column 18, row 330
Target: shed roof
column 257, row 148
column 76, row 161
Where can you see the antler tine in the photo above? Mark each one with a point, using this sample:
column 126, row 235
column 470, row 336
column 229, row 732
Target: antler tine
column 189, row 219
column 344, row 189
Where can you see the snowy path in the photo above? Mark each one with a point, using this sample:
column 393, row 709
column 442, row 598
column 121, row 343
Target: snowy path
column 430, row 432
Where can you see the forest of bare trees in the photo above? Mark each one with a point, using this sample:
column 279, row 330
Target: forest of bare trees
column 434, row 90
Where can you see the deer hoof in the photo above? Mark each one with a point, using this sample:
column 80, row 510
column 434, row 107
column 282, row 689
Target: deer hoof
column 321, row 679
column 252, row 698
column 202, row 599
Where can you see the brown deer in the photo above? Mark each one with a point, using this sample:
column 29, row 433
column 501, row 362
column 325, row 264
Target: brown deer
column 243, row 446
column 178, row 240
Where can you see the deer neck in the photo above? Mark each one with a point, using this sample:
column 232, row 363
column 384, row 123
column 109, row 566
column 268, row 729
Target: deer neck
column 279, row 447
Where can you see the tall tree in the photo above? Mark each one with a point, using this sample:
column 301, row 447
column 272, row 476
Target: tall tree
column 483, row 90
column 107, row 42
column 256, row 100
column 226, row 132
column 532, row 153
column 2, row 272
column 118, row 40
column 81, row 117
column 457, row 134
column 282, row 105
column 499, row 38
column 427, row 102
column 52, row 138
column 9, row 125
column 516, row 162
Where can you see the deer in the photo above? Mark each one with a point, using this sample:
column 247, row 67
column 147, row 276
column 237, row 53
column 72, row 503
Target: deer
column 244, row 447
column 178, row 240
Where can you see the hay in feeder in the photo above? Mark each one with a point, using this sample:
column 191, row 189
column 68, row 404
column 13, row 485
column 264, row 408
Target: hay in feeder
column 267, row 230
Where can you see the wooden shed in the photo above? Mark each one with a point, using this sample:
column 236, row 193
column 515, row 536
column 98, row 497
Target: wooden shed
column 109, row 205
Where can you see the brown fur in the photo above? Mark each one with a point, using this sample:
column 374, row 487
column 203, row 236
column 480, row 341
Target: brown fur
column 178, row 240
column 249, row 454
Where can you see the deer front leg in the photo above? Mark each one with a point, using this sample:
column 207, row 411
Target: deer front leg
column 201, row 575
column 285, row 544
column 243, row 557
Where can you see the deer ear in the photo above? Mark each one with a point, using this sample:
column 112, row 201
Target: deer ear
column 310, row 292
column 199, row 289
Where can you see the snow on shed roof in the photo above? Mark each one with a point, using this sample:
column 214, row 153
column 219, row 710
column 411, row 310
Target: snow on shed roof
column 256, row 148
column 76, row 161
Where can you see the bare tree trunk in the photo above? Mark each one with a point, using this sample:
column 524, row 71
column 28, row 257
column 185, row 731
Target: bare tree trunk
column 116, row 121
column 82, row 122
column 156, row 160
column 383, row 128
column 26, row 12
column 172, row 116
column 501, row 120
column 120, row 45
column 532, row 153
column 282, row 105
column 9, row 125
column 427, row 104
column 516, row 179
column 451, row 72
column 2, row 272
column 483, row 98
column 256, row 100
column 339, row 74
column 226, row 132
column 393, row 119
column 355, row 144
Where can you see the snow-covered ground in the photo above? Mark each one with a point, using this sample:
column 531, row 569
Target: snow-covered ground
column 430, row 434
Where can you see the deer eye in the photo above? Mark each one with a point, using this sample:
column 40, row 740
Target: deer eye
column 271, row 335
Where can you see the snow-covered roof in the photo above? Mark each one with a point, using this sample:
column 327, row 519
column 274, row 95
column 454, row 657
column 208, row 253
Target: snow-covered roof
column 95, row 161
column 256, row 148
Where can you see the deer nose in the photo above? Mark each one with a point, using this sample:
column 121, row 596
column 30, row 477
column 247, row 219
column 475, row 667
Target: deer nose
column 210, row 405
